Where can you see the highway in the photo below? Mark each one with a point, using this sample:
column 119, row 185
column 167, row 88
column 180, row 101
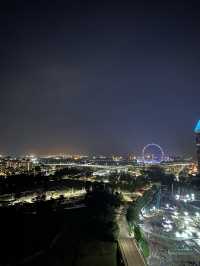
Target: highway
column 128, row 247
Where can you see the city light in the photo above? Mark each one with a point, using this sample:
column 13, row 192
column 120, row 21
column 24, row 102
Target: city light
column 192, row 196
column 177, row 197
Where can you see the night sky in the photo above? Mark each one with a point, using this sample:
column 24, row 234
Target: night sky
column 99, row 77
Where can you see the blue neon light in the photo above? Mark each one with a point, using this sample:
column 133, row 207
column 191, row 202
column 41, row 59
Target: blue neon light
column 197, row 128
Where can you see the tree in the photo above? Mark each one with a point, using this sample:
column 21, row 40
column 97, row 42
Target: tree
column 112, row 231
column 132, row 214
column 61, row 199
column 137, row 233
column 143, row 244
column 102, row 203
column 144, row 247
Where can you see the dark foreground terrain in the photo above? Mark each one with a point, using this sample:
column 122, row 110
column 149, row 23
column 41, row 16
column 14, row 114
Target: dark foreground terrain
column 59, row 237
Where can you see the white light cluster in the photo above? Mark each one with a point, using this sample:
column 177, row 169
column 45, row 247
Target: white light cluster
column 185, row 198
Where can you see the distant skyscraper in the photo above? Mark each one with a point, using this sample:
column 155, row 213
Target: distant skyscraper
column 197, row 132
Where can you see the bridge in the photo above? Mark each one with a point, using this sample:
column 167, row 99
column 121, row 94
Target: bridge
column 95, row 166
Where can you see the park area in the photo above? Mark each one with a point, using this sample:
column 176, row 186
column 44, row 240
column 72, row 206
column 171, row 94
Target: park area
column 78, row 245
column 63, row 237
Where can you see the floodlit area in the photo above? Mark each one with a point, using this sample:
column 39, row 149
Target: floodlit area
column 173, row 232
column 173, row 223
column 185, row 198
column 67, row 194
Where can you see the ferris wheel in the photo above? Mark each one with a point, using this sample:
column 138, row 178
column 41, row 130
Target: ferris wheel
column 152, row 154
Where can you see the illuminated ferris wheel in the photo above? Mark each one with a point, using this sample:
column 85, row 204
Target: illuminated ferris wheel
column 152, row 154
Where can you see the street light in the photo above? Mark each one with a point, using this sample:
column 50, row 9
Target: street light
column 192, row 196
column 177, row 197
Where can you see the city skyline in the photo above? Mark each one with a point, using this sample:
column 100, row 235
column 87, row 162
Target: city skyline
column 124, row 153
column 99, row 78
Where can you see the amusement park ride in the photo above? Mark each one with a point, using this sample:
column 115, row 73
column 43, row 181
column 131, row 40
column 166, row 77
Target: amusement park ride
column 152, row 154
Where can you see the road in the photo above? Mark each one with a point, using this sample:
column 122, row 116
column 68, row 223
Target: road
column 129, row 250
column 130, row 253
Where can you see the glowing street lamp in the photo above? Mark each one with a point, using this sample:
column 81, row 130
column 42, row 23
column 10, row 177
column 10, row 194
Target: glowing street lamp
column 177, row 197
column 192, row 196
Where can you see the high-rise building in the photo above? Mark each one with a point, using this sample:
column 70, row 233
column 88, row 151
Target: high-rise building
column 197, row 133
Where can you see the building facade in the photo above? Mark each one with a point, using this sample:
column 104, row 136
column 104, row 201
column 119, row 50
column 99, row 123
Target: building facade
column 197, row 133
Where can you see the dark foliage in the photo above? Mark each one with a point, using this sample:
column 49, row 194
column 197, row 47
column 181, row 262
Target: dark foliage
column 102, row 205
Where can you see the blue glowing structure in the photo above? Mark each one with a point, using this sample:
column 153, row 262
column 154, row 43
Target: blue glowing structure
column 197, row 128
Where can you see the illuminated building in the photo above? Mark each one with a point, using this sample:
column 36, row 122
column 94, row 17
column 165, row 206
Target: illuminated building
column 17, row 164
column 197, row 133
